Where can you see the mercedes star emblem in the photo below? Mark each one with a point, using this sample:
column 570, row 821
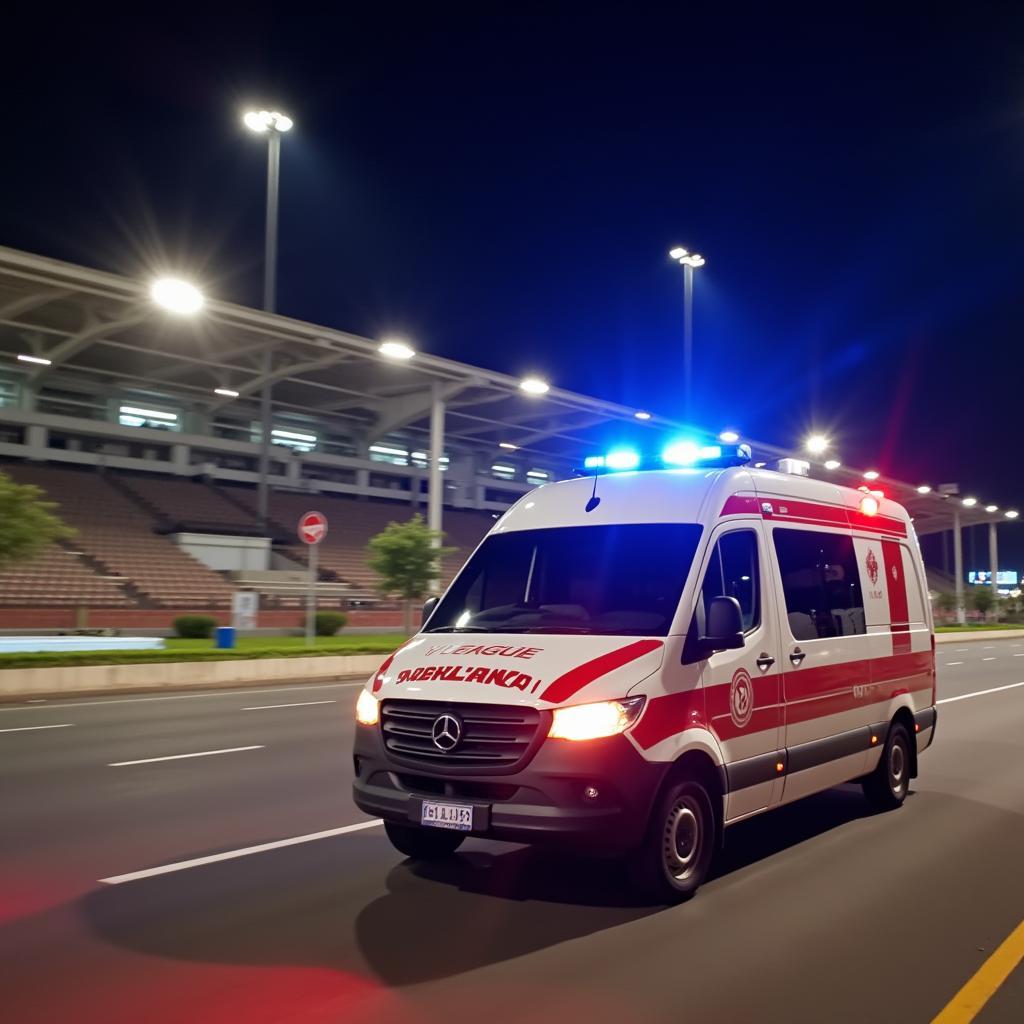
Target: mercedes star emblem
column 446, row 733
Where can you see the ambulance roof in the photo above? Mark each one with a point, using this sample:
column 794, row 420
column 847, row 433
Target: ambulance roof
column 697, row 496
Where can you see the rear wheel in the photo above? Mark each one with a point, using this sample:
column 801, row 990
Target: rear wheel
column 422, row 843
column 887, row 786
column 676, row 853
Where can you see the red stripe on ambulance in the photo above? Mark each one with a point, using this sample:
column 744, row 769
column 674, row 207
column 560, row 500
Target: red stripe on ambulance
column 571, row 682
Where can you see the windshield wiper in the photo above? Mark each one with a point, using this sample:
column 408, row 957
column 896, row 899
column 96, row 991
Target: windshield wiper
column 545, row 629
column 459, row 629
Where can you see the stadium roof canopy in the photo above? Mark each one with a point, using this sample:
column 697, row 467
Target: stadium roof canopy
column 104, row 332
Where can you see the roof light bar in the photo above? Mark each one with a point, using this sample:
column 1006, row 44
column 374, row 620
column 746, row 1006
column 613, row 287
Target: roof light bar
column 678, row 455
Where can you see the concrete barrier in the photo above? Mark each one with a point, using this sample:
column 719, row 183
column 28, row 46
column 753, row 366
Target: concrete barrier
column 21, row 683
column 979, row 634
column 18, row 683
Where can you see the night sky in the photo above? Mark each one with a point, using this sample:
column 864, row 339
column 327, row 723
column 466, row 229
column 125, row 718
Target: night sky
column 503, row 189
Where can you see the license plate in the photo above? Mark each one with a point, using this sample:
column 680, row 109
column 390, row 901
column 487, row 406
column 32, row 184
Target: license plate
column 442, row 815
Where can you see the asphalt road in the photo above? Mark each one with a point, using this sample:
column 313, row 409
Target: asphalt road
column 819, row 912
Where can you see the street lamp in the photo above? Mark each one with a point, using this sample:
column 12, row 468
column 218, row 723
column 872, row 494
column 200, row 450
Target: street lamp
column 689, row 262
column 534, row 386
column 273, row 124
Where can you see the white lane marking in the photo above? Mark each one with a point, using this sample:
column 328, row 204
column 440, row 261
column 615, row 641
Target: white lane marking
column 979, row 693
column 988, row 659
column 960, row 650
column 1019, row 655
column 213, row 858
column 949, row 663
column 299, row 704
column 180, row 757
column 187, row 696
column 32, row 728
column 987, row 647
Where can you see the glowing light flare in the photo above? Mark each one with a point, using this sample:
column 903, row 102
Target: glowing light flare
column 869, row 505
column 871, row 474
column 833, row 464
column 816, row 444
column 534, row 386
column 991, row 508
column 23, row 358
column 394, row 349
column 1011, row 513
column 622, row 458
column 681, row 453
column 367, row 708
column 225, row 392
column 970, row 502
column 677, row 253
column 595, row 721
column 266, row 120
column 924, row 489
column 641, row 415
column 176, row 295
column 728, row 437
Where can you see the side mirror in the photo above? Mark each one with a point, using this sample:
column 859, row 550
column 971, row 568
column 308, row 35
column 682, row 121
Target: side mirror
column 724, row 627
column 428, row 609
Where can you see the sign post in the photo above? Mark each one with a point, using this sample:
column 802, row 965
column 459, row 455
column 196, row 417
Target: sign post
column 312, row 530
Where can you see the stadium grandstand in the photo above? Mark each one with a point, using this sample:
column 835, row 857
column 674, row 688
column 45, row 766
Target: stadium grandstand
column 183, row 449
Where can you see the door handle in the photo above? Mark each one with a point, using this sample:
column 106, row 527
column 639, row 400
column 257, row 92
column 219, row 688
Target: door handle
column 797, row 656
column 765, row 662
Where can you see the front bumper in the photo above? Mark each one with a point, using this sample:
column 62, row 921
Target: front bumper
column 543, row 802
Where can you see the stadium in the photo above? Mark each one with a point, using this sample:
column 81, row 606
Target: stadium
column 182, row 447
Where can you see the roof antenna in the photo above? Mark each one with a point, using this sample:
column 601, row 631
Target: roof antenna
column 594, row 499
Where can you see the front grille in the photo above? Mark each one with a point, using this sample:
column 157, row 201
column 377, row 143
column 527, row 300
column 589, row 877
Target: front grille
column 494, row 736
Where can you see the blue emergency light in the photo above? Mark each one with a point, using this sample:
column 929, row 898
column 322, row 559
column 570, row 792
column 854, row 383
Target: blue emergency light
column 680, row 454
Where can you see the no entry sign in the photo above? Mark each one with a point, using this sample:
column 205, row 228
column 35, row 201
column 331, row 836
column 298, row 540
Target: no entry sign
column 312, row 527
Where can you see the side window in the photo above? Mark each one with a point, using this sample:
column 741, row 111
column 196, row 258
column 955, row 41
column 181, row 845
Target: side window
column 915, row 604
column 821, row 584
column 733, row 572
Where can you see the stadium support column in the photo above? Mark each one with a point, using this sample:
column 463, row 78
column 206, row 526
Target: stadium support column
column 993, row 557
column 958, row 569
column 435, row 493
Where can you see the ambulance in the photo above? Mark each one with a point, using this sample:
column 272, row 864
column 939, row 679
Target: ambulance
column 637, row 658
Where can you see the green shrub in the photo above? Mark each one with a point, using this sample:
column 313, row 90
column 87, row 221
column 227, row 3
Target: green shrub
column 328, row 623
column 195, row 627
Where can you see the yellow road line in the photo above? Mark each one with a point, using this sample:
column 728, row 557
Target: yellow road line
column 968, row 1002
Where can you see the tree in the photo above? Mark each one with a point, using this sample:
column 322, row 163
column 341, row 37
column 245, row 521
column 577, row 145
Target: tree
column 405, row 558
column 27, row 522
column 945, row 602
column 983, row 600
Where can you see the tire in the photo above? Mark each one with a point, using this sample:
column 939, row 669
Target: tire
column 423, row 843
column 887, row 786
column 676, row 854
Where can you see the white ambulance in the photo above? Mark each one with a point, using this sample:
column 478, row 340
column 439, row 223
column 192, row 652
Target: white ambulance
column 633, row 662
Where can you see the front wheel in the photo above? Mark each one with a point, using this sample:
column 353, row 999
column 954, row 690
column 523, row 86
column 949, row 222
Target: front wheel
column 887, row 786
column 422, row 843
column 676, row 853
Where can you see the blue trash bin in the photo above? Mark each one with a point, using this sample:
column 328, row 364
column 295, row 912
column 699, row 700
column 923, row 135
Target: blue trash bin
column 225, row 637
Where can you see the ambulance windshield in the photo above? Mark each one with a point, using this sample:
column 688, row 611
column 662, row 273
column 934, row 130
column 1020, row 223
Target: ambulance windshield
column 624, row 580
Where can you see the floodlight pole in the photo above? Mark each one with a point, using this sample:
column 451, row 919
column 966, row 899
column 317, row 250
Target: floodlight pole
column 269, row 301
column 958, row 569
column 435, row 486
column 687, row 342
column 993, row 556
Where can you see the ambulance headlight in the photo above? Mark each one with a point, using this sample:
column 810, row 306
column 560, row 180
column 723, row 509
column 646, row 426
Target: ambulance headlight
column 595, row 721
column 367, row 708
